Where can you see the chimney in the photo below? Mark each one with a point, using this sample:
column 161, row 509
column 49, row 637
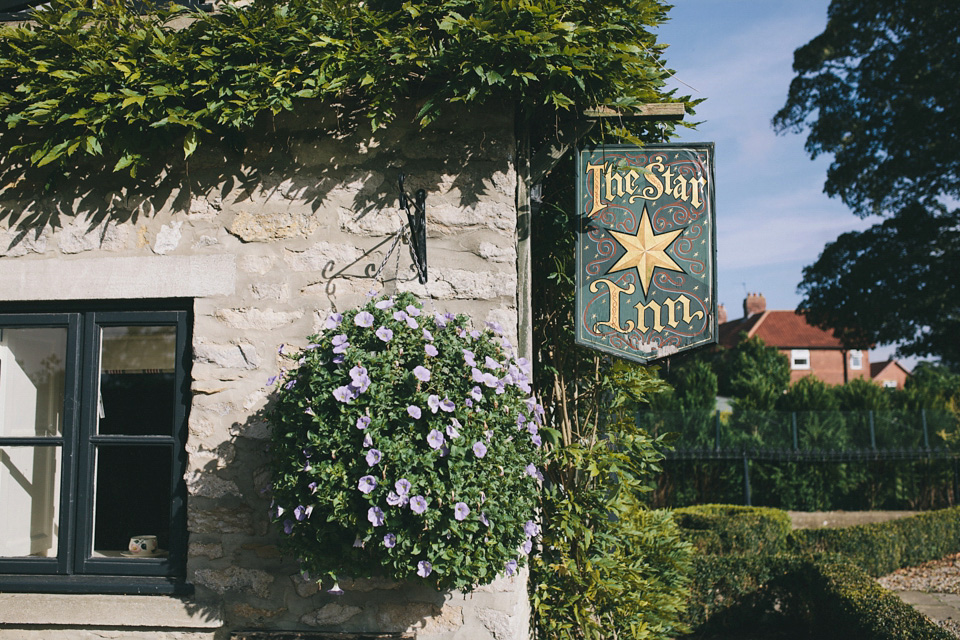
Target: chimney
column 754, row 304
column 721, row 314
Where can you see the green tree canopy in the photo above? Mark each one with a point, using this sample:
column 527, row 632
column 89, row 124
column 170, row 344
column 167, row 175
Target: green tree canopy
column 755, row 374
column 878, row 90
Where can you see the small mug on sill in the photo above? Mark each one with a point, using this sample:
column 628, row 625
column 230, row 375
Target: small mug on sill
column 143, row 545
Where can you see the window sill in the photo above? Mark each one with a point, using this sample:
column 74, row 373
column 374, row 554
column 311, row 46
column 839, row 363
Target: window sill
column 71, row 610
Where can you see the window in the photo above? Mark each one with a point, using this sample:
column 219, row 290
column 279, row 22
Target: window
column 889, row 384
column 856, row 359
column 800, row 359
column 93, row 405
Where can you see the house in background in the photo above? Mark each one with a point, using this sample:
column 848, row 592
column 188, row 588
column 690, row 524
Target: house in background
column 889, row 374
column 810, row 350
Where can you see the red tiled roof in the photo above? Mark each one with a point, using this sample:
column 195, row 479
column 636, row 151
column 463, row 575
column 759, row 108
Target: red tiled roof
column 783, row 329
column 876, row 368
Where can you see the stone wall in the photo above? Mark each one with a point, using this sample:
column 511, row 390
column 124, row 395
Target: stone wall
column 266, row 242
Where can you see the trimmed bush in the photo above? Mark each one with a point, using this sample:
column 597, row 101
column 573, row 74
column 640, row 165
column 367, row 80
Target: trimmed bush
column 731, row 529
column 881, row 548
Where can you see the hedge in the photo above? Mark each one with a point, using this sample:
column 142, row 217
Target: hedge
column 726, row 529
column 819, row 579
column 881, row 548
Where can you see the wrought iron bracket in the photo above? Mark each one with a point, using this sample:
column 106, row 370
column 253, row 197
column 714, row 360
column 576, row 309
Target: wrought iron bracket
column 417, row 222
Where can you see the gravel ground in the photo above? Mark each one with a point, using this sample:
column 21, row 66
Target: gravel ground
column 936, row 576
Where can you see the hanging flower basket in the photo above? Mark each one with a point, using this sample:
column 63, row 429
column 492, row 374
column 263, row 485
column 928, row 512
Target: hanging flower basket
column 406, row 445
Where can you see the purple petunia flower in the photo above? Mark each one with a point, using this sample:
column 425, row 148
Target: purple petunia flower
column 526, row 547
column 424, row 568
column 367, row 441
column 333, row 321
column 288, row 526
column 385, row 334
column 440, row 320
column 476, row 393
column 313, row 487
column 476, row 374
column 402, row 486
column 447, row 405
column 363, row 319
column 299, row 513
column 510, row 568
column 469, row 358
column 412, row 322
column 357, row 543
column 536, row 440
column 530, row 528
column 433, row 401
column 490, row 380
column 431, row 350
column 461, row 511
column 483, row 519
column 418, row 504
column 340, row 343
column 389, row 541
column 490, row 363
column 343, row 394
column 309, row 412
column 414, row 411
column 475, row 334
column 395, row 500
column 335, row 590
column 412, row 310
column 367, row 484
column 373, row 457
column 384, row 304
column 496, row 327
column 468, row 402
column 532, row 428
column 435, row 439
column 427, row 335
column 363, row 422
column 272, row 380
column 421, row 373
column 521, row 419
column 531, row 470
column 479, row 449
column 375, row 516
column 452, row 429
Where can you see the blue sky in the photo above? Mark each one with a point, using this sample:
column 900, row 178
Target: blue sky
column 772, row 215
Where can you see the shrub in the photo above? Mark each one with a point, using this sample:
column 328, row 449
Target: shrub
column 881, row 548
column 406, row 444
column 730, row 529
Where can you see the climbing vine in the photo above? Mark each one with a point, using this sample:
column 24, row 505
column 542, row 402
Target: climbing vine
column 117, row 84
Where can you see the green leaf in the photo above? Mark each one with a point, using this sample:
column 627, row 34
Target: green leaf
column 190, row 143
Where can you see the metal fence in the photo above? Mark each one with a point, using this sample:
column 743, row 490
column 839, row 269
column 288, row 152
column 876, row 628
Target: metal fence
column 772, row 437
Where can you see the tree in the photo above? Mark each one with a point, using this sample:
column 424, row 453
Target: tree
column 877, row 90
column 755, row 374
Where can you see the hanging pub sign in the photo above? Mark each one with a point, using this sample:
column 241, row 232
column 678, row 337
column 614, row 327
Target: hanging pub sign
column 646, row 250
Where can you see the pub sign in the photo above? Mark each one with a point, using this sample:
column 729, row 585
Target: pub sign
column 646, row 249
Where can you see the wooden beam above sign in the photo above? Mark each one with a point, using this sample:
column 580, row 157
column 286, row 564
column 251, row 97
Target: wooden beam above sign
column 654, row 110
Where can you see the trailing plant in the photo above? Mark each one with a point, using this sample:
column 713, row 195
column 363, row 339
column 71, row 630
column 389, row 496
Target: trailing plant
column 406, row 445
column 608, row 567
column 115, row 83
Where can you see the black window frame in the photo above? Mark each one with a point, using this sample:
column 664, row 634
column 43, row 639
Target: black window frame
column 74, row 569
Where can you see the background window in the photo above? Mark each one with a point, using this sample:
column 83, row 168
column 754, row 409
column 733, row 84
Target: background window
column 856, row 359
column 800, row 359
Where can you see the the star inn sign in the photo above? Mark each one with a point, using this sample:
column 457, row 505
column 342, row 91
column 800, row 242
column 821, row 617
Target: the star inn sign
column 646, row 249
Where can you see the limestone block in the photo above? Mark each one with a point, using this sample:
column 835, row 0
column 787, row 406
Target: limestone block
column 425, row 618
column 267, row 226
column 498, row 253
column 376, row 222
column 263, row 550
column 330, row 615
column 14, row 244
column 212, row 550
column 256, row 264
column 268, row 291
column 227, row 356
column 205, row 241
column 323, row 256
column 498, row 623
column 168, row 238
column 78, row 236
column 257, row 319
column 253, row 429
column 491, row 215
column 206, row 485
column 304, row 588
column 218, row 519
column 461, row 284
column 235, row 579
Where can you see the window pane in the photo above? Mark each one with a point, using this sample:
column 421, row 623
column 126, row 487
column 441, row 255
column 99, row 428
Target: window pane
column 132, row 497
column 137, row 394
column 30, row 496
column 32, row 363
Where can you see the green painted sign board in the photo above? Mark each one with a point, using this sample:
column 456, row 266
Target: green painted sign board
column 646, row 249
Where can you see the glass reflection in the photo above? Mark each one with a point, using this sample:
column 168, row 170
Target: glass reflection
column 30, row 495
column 32, row 364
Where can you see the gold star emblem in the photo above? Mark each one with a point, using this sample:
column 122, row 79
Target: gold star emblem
column 645, row 251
